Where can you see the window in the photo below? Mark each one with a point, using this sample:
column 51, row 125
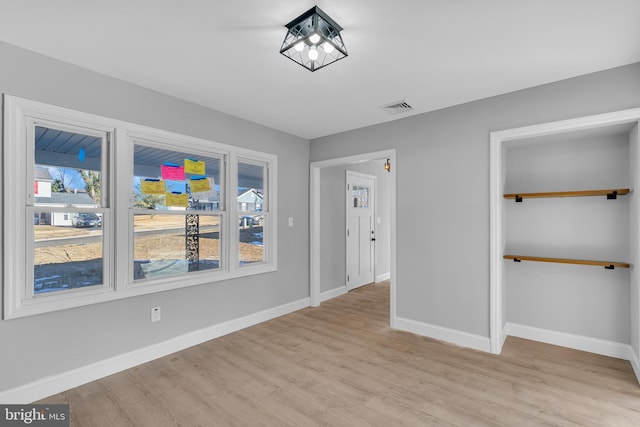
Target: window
column 67, row 170
column 360, row 197
column 177, row 215
column 253, row 218
column 109, row 209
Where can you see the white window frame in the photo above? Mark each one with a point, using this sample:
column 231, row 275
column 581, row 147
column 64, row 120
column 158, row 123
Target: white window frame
column 118, row 211
column 269, row 224
column 196, row 148
column 21, row 117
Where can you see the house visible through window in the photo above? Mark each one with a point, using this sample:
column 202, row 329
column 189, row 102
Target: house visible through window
column 103, row 209
column 67, row 251
column 253, row 219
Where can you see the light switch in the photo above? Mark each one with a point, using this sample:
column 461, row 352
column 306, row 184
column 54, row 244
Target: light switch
column 290, row 221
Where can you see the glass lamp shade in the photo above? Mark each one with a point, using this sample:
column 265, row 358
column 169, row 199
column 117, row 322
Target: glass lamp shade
column 313, row 40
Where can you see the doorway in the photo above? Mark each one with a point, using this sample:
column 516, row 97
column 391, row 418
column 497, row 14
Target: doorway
column 360, row 214
column 318, row 202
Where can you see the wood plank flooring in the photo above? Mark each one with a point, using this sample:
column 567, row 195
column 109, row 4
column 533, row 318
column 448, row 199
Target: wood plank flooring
column 341, row 365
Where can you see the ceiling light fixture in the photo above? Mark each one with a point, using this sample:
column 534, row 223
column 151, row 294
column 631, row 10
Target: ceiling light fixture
column 309, row 31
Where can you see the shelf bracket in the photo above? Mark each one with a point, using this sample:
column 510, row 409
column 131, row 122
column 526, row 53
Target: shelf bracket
column 517, row 260
column 612, row 196
column 518, row 199
column 610, row 267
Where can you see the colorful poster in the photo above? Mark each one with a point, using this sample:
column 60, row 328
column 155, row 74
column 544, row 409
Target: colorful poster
column 199, row 184
column 194, row 167
column 181, row 200
column 152, row 186
column 173, row 171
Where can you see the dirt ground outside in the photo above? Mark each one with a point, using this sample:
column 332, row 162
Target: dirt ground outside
column 158, row 238
column 140, row 222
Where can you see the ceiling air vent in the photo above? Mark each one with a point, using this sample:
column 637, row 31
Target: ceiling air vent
column 397, row 107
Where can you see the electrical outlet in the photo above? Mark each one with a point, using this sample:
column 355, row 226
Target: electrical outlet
column 155, row 314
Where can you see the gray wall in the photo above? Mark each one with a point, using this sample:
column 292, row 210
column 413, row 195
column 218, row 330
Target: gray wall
column 332, row 222
column 443, row 175
column 43, row 345
column 333, row 267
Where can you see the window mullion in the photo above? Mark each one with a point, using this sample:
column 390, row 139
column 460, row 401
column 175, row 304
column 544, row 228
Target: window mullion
column 30, row 161
column 232, row 218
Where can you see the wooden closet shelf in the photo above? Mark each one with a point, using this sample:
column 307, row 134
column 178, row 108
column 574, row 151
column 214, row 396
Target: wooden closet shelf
column 610, row 265
column 611, row 194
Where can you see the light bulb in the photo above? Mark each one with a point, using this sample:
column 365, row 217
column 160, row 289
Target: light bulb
column 299, row 46
column 314, row 38
column 328, row 47
column 313, row 53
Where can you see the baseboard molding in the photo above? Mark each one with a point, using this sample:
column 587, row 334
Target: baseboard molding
column 58, row 383
column 383, row 277
column 635, row 364
column 577, row 342
column 502, row 339
column 460, row 338
column 327, row 295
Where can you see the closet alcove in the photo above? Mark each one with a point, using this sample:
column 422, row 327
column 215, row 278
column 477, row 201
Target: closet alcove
column 565, row 234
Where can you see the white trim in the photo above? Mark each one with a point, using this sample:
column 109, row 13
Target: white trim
column 496, row 185
column 314, row 225
column 576, row 342
column 635, row 364
column 54, row 384
column 497, row 143
column 459, row 338
column 333, row 293
column 503, row 338
column 314, row 236
column 570, row 125
column 383, row 277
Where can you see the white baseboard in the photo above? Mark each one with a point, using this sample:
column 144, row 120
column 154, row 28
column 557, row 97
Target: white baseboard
column 327, row 295
column 383, row 277
column 503, row 338
column 460, row 338
column 58, row 383
column 635, row 364
column 577, row 342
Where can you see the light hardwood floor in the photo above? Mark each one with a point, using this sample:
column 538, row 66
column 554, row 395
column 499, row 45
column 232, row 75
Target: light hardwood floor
column 341, row 365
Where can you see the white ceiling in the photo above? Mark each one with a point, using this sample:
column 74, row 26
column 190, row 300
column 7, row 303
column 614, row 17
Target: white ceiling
column 433, row 53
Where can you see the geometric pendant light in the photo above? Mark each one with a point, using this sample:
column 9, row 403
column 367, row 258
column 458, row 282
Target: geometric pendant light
column 313, row 40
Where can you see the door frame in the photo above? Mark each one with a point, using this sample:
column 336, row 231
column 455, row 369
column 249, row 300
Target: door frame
column 314, row 222
column 499, row 140
column 374, row 178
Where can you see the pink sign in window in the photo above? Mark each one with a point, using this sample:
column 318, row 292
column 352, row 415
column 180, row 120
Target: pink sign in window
column 173, row 172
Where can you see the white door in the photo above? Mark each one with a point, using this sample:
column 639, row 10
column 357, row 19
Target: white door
column 360, row 229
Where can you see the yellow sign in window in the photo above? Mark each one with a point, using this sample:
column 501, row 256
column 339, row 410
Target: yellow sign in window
column 152, row 186
column 199, row 185
column 180, row 200
column 194, row 167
